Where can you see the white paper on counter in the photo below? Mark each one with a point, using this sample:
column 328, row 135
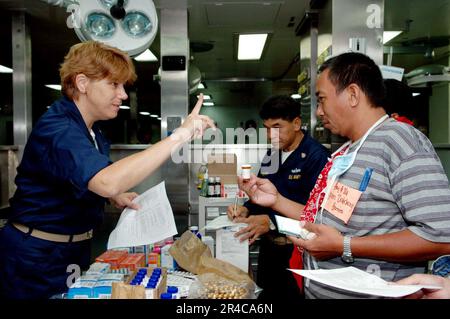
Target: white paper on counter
column 229, row 249
column 153, row 222
column 221, row 222
column 356, row 280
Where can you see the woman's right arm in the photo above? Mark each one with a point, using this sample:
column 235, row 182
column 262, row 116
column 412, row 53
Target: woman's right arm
column 128, row 172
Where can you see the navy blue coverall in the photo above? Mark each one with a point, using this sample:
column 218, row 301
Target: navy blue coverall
column 52, row 195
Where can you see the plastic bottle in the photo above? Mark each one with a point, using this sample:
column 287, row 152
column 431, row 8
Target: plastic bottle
column 246, row 172
column 166, row 258
column 194, row 230
column 166, row 295
column 211, row 187
column 174, row 291
column 157, row 250
column 204, row 190
column 217, row 187
column 201, row 175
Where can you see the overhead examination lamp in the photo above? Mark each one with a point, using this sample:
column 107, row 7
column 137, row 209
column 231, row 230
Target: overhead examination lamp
column 129, row 25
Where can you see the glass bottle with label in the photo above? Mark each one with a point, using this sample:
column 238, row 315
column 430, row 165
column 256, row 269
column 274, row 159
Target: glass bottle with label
column 217, row 187
column 201, row 175
column 204, row 190
column 211, row 187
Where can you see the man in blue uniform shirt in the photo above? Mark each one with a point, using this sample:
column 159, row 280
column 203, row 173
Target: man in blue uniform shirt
column 293, row 166
column 65, row 176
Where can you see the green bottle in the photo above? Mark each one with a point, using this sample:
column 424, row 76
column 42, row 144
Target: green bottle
column 204, row 189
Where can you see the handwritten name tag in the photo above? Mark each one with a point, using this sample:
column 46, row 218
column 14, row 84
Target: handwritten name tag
column 342, row 201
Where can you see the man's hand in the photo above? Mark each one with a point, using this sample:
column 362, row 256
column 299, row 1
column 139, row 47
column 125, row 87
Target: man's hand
column 124, row 200
column 422, row 279
column 328, row 243
column 261, row 191
column 241, row 211
column 257, row 225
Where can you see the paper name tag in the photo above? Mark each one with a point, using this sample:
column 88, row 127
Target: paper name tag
column 342, row 201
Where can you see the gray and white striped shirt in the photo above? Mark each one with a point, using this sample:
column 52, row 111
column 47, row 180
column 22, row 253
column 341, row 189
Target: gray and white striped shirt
column 408, row 189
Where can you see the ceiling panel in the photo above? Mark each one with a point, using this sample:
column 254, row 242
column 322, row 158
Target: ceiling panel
column 242, row 14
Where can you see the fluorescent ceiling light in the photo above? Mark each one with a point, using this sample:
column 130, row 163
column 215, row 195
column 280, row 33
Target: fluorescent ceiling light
column 415, row 94
column 4, row 69
column 208, row 103
column 154, row 115
column 124, row 107
column 389, row 35
column 54, row 86
column 159, row 118
column 296, row 96
column 201, row 86
column 251, row 46
column 144, row 113
column 146, row 56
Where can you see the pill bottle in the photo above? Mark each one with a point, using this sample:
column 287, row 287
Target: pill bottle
column 211, row 186
column 217, row 187
column 174, row 291
column 166, row 295
column 246, row 171
column 194, row 230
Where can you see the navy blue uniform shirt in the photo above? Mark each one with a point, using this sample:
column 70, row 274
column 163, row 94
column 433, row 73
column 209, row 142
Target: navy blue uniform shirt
column 52, row 179
column 296, row 177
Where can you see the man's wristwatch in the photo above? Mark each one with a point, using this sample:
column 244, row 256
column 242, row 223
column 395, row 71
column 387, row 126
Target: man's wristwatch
column 347, row 253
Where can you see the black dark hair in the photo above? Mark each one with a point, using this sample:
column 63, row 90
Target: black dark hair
column 250, row 123
column 280, row 107
column 398, row 98
column 359, row 69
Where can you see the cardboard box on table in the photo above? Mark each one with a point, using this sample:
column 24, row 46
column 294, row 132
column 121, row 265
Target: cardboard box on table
column 127, row 291
column 224, row 165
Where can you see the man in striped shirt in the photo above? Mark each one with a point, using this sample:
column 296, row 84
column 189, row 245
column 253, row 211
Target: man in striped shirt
column 401, row 218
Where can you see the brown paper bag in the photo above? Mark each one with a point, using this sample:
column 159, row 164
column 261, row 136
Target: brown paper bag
column 194, row 256
column 188, row 250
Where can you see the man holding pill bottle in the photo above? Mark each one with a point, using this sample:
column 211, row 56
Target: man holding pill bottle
column 292, row 165
column 384, row 202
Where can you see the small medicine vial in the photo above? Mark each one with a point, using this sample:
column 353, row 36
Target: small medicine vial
column 246, row 170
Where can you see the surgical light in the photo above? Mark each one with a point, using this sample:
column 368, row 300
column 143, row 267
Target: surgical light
column 100, row 25
column 136, row 24
column 100, row 20
column 117, row 11
column 109, row 3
